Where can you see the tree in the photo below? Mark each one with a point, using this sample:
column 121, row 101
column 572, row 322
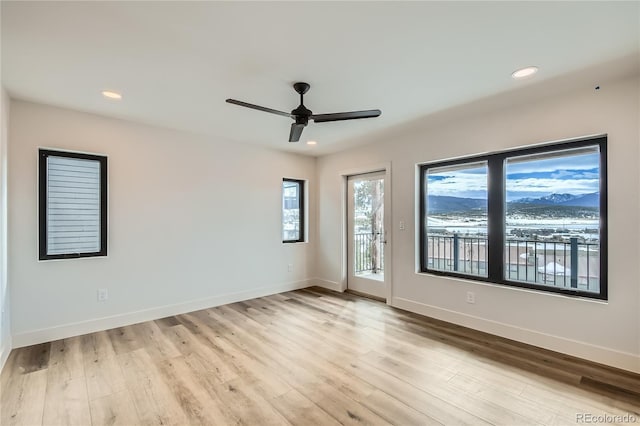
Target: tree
column 369, row 211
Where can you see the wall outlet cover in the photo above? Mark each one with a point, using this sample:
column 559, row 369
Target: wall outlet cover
column 103, row 294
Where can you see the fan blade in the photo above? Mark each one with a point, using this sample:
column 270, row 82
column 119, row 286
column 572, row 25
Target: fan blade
column 338, row 116
column 296, row 132
column 259, row 108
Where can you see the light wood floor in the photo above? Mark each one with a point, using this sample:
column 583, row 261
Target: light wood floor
column 308, row 357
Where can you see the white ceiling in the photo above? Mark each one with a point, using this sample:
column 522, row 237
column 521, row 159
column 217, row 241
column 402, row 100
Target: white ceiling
column 176, row 62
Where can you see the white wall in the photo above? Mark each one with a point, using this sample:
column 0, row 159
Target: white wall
column 193, row 222
column 5, row 308
column 605, row 332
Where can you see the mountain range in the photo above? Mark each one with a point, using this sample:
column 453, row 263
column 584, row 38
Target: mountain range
column 583, row 200
column 445, row 204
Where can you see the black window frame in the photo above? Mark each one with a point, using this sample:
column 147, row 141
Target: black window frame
column 496, row 202
column 301, row 209
column 43, row 154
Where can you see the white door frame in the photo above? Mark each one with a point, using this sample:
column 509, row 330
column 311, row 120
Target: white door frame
column 388, row 225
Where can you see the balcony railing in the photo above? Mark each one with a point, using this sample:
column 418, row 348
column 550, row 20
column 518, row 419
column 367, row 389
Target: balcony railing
column 560, row 264
column 369, row 252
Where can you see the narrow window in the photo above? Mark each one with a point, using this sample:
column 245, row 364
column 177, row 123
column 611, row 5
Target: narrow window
column 72, row 205
column 292, row 210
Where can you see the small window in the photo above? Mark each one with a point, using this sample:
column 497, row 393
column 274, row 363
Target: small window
column 533, row 217
column 72, row 205
column 292, row 211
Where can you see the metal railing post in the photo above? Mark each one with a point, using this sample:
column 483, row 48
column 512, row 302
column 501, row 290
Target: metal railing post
column 574, row 262
column 456, row 255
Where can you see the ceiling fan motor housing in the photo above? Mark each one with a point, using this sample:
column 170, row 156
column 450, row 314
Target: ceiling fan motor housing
column 301, row 114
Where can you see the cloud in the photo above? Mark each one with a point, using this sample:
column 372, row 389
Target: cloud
column 550, row 186
column 575, row 174
column 458, row 184
column 461, row 184
column 582, row 162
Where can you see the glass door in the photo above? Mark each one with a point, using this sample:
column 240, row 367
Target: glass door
column 366, row 234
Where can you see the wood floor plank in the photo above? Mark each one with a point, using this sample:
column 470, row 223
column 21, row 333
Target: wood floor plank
column 198, row 351
column 32, row 358
column 394, row 411
column 124, row 339
column 97, row 345
column 305, row 357
column 490, row 411
column 299, row 410
column 345, row 410
column 67, row 355
column 167, row 322
column 114, row 409
column 154, row 341
column 103, row 374
column 104, row 377
column 193, row 398
column 484, row 393
column 66, row 400
column 577, row 400
column 154, row 402
column 22, row 399
column 245, row 346
column 249, row 405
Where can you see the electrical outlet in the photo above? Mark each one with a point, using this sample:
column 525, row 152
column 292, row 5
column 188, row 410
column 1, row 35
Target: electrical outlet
column 103, row 295
column 402, row 225
column 471, row 297
column 290, row 267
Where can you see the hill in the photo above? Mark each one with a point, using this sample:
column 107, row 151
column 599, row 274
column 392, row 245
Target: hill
column 444, row 204
column 585, row 200
column 550, row 206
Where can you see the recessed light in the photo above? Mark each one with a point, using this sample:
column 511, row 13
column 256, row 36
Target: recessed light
column 312, row 143
column 111, row 94
column 524, row 72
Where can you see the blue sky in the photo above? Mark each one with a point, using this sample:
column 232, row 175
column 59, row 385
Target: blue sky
column 574, row 174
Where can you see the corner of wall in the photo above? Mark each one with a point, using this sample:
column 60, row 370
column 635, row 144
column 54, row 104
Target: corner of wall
column 5, row 308
column 329, row 285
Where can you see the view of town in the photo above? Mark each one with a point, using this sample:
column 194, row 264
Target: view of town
column 552, row 220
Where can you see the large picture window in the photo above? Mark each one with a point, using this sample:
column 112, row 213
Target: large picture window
column 292, row 210
column 72, row 205
column 533, row 218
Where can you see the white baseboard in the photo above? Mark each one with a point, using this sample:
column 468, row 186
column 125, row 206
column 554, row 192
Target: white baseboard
column 329, row 285
column 602, row 355
column 84, row 327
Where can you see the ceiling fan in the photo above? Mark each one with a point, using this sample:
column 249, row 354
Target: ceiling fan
column 301, row 114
